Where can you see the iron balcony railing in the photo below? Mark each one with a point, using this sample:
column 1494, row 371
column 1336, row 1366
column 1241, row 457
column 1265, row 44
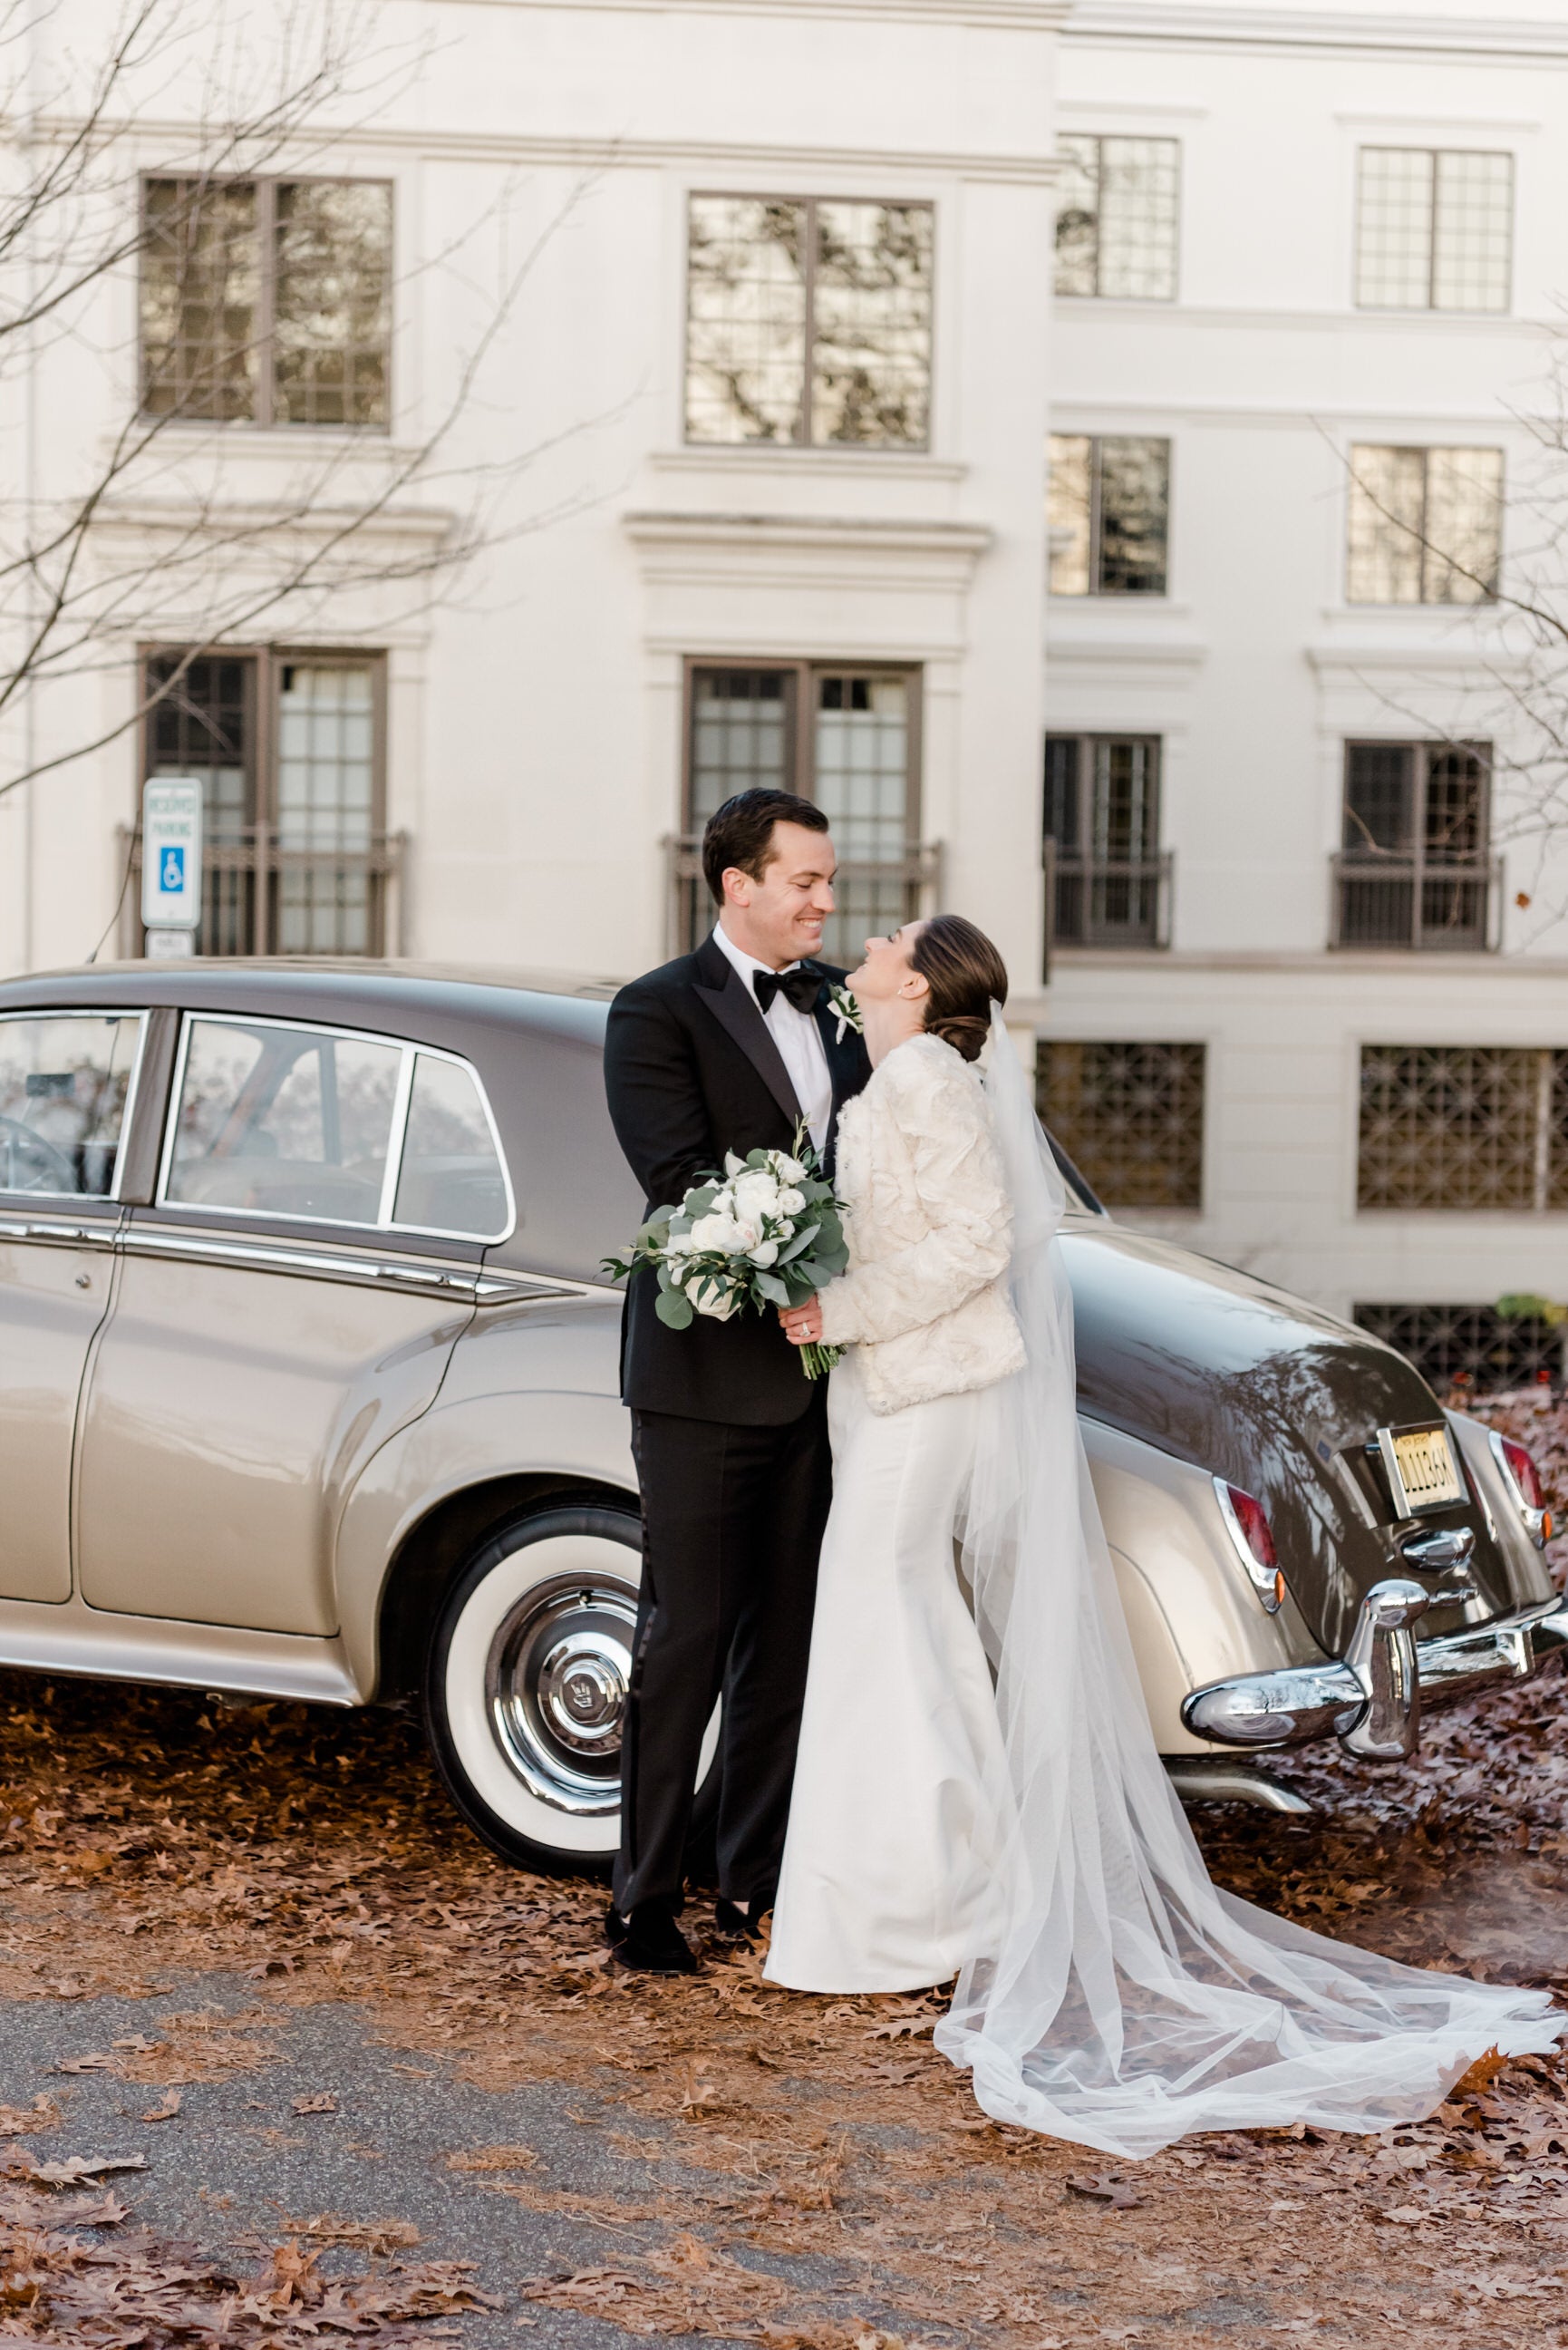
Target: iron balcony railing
column 263, row 897
column 1407, row 901
column 1106, row 901
column 873, row 894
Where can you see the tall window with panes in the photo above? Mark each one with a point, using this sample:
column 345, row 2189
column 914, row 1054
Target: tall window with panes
column 267, row 301
column 1425, row 525
column 1106, row 878
column 1116, row 221
column 1108, row 513
column 848, row 739
column 1415, row 868
column 808, row 321
column 1434, row 229
column 290, row 750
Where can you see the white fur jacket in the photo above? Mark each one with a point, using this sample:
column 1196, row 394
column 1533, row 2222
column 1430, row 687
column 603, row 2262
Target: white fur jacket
column 930, row 1228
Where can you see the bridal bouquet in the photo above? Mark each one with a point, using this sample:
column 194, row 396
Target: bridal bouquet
column 765, row 1233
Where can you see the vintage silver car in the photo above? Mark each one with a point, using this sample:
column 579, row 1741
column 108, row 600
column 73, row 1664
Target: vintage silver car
column 308, row 1388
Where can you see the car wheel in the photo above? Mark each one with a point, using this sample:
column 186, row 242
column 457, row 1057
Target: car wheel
column 525, row 1686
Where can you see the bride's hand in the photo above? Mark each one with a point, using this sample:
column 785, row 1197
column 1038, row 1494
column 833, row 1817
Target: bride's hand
column 803, row 1324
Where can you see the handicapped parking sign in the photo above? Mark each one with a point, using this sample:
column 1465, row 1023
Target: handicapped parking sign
column 171, row 810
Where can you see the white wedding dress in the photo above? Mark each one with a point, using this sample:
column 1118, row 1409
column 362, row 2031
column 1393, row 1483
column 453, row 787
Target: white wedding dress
column 978, row 1790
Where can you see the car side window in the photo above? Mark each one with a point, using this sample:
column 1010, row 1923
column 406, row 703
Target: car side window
column 282, row 1121
column 451, row 1178
column 64, row 1080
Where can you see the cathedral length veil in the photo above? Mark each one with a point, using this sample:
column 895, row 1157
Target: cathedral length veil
column 1124, row 2000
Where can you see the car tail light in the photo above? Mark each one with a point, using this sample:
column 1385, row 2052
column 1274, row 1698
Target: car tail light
column 1522, row 1479
column 1247, row 1522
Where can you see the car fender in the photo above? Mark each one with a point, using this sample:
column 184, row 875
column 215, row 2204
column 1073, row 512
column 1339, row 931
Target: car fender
column 1193, row 1615
column 530, row 1393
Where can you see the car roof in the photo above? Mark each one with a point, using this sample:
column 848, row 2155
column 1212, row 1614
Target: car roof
column 347, row 990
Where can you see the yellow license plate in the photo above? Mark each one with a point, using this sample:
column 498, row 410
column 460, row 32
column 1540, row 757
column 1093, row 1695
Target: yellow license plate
column 1424, row 1458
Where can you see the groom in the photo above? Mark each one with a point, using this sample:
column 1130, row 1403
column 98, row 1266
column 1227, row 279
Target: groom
column 726, row 1049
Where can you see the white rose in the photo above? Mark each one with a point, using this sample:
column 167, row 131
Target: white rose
column 765, row 1253
column 791, row 1202
column 711, row 1298
column 720, row 1234
column 788, row 1170
column 756, row 1195
column 733, row 1166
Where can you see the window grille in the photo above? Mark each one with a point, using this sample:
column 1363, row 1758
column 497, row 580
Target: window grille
column 290, row 751
column 1470, row 1348
column 1425, row 525
column 267, row 301
column 1109, row 885
column 1435, row 229
column 1459, row 1126
column 1129, row 1115
column 1116, row 228
column 846, row 739
column 1107, row 515
column 808, row 320
column 1415, row 870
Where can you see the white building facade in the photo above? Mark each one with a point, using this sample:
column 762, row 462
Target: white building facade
column 735, row 333
column 1309, row 1000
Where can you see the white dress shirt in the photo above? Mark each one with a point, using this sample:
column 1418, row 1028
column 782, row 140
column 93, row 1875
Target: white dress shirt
column 797, row 1037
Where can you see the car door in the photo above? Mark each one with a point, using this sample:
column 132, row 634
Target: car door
column 66, row 1080
column 285, row 1303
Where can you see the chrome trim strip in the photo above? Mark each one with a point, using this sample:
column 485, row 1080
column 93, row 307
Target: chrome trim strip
column 13, row 1228
column 379, row 1271
column 1534, row 1520
column 382, row 1272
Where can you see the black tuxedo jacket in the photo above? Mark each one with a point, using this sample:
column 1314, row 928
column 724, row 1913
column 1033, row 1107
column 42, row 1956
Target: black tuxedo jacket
column 691, row 1070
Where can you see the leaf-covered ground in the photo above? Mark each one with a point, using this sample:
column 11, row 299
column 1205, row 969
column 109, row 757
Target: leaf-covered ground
column 725, row 2161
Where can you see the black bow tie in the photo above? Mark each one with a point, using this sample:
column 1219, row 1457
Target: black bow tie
column 801, row 986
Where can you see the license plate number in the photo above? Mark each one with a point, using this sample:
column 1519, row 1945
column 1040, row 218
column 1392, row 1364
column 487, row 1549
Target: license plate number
column 1422, row 1469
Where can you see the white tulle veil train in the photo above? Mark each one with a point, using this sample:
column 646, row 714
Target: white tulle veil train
column 1124, row 2000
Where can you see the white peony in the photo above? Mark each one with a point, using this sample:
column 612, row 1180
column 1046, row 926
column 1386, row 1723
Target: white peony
column 711, row 1297
column 765, row 1253
column 791, row 1202
column 756, row 1195
column 723, row 1236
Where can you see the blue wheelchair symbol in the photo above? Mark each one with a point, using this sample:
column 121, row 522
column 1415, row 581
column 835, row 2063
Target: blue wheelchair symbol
column 171, row 872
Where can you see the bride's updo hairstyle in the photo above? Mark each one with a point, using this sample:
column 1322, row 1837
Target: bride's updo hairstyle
column 966, row 976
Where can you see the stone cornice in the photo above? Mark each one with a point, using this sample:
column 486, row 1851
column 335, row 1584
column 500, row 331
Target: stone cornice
column 1170, row 22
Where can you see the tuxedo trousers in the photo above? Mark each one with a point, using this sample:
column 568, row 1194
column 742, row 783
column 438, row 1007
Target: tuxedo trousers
column 731, row 1524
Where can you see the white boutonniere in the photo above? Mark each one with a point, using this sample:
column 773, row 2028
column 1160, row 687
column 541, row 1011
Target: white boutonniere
column 847, row 1013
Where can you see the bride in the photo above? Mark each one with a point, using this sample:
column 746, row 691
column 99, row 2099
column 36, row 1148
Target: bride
column 978, row 1790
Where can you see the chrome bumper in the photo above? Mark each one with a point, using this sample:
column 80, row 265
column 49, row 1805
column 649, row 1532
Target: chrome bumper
column 1373, row 1699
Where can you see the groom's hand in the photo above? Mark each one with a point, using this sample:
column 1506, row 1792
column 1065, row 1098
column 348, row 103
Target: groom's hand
column 802, row 1324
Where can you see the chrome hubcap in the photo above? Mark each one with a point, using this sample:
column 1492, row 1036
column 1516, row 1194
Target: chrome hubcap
column 555, row 1687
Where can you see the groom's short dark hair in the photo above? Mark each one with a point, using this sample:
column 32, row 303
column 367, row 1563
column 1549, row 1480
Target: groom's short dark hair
column 741, row 833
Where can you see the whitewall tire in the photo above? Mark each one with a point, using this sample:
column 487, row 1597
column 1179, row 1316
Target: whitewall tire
column 526, row 1681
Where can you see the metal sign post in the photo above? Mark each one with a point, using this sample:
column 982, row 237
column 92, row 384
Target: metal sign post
column 171, row 864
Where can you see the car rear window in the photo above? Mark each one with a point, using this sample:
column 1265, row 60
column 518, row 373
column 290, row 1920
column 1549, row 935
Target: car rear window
column 449, row 1179
column 278, row 1120
column 64, row 1080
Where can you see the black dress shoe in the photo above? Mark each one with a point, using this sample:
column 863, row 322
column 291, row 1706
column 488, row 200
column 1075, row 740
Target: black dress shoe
column 651, row 1942
column 734, row 1924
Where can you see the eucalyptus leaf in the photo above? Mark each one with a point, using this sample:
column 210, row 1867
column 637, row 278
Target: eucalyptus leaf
column 802, row 1239
column 674, row 1309
column 772, row 1289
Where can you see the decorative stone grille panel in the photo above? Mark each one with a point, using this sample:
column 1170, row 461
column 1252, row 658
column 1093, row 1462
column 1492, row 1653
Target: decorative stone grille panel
column 1459, row 1127
column 1130, row 1114
column 1469, row 1349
